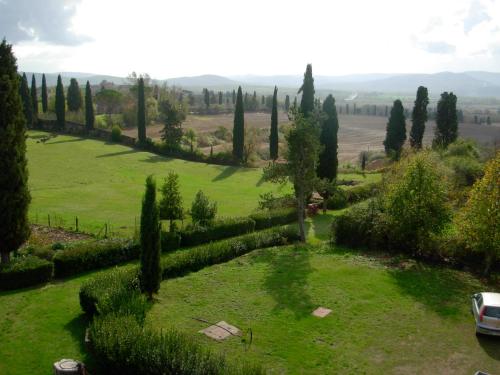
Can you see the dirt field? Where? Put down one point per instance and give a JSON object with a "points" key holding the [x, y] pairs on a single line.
{"points": [[356, 133]]}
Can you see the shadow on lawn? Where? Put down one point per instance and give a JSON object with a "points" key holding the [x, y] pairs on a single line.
{"points": [[320, 225], [76, 327], [286, 280], [226, 173], [126, 152], [65, 141]]}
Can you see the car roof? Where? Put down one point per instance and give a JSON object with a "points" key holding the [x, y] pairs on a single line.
{"points": [[491, 299]]}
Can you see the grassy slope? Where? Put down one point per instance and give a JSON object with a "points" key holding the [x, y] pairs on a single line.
{"points": [[384, 320]]}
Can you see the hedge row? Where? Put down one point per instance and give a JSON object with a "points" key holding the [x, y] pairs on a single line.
{"points": [[268, 219], [23, 272], [344, 198]]}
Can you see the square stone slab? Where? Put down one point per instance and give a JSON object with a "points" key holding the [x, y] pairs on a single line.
{"points": [[221, 331], [321, 312]]}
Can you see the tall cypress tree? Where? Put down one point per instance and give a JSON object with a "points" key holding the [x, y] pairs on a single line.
{"points": [[396, 130], [34, 99], [328, 160], [89, 108], [26, 98], [233, 98], [74, 96], [60, 104], [419, 117], [446, 130], [150, 269], [287, 103], [45, 96], [141, 112], [239, 127], [307, 89], [273, 138], [14, 193]]}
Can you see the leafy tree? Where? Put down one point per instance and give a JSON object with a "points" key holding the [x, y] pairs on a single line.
{"points": [[14, 193], [273, 138], [60, 104], [301, 163], [446, 130], [287, 103], [27, 103], [419, 117], [307, 90], [328, 160], [191, 138], [396, 131], [171, 202], [89, 108], [479, 221], [172, 115], [74, 98], [45, 96], [141, 112], [34, 98], [239, 128], [109, 101], [150, 269], [202, 211]]}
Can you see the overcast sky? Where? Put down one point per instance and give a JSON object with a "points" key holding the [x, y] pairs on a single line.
{"points": [[229, 37]]}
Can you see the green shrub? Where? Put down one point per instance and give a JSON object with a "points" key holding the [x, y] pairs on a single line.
{"points": [[170, 241], [23, 272], [91, 255], [466, 170], [116, 134], [220, 229], [45, 252], [342, 198], [202, 211], [268, 219], [337, 200]]}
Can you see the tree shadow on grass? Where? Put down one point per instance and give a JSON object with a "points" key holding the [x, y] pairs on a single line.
{"points": [[286, 279], [320, 226], [261, 181], [445, 291], [77, 327], [156, 159], [126, 152], [491, 345], [226, 172], [66, 141]]}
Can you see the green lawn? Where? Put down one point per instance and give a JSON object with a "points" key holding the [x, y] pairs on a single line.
{"points": [[385, 319], [103, 183]]}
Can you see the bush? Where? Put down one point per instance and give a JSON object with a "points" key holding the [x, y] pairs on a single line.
{"points": [[337, 200], [23, 272], [466, 170], [267, 201], [202, 211], [44, 252], [220, 229], [116, 134], [268, 219], [91, 255], [170, 241], [342, 198]]}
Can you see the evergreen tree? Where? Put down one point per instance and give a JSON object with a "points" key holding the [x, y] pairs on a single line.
{"points": [[263, 100], [239, 127], [171, 202], [26, 98], [273, 138], [202, 211], [141, 112], [287, 103], [34, 98], [446, 130], [74, 98], [396, 131], [14, 193], [307, 89], [220, 97], [45, 96], [328, 160], [233, 98], [419, 117], [150, 269], [89, 108], [295, 102], [60, 104], [206, 97], [347, 108]]}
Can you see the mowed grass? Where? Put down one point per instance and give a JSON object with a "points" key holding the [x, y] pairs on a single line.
{"points": [[385, 319]]}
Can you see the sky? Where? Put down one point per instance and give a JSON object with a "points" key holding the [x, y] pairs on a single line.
{"points": [[172, 38]]}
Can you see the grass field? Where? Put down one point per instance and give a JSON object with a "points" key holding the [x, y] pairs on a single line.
{"points": [[103, 183], [385, 320]]}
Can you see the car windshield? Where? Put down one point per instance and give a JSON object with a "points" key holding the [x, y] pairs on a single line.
{"points": [[493, 312]]}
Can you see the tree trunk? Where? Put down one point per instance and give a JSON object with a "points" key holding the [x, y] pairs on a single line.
{"points": [[5, 257], [300, 209]]}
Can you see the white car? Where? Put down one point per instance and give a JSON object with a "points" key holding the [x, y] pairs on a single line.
{"points": [[486, 310]]}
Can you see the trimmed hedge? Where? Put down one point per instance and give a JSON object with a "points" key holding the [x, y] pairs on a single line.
{"points": [[86, 256], [268, 219], [23, 272], [221, 228], [342, 198]]}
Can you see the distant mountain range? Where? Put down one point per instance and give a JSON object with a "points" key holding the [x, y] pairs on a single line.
{"points": [[472, 84]]}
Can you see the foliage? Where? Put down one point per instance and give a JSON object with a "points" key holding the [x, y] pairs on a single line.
{"points": [[74, 97], [45, 96], [150, 274], [202, 211], [141, 112], [190, 136], [419, 118], [90, 255], [219, 229], [239, 127], [34, 99], [307, 90], [446, 130], [14, 193], [109, 101], [479, 221], [396, 131], [170, 206], [274, 217], [116, 134], [273, 137], [328, 160], [172, 115], [60, 104], [89, 108], [27, 102], [23, 272], [268, 201]]}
